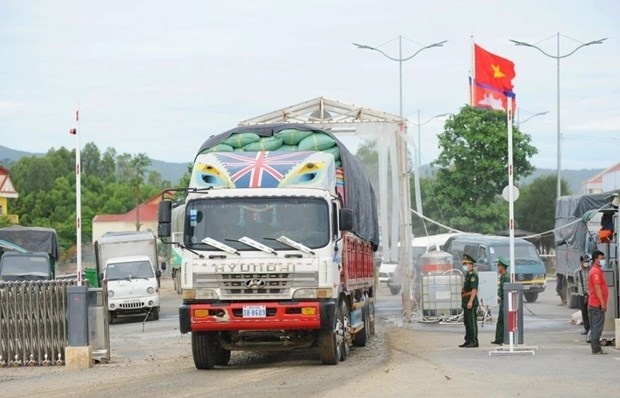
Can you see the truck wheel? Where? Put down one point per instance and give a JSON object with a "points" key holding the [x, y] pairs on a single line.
{"points": [[223, 356], [573, 301], [177, 281], [154, 314], [330, 343], [329, 349], [362, 337], [111, 317], [344, 331], [205, 350], [371, 329], [531, 297]]}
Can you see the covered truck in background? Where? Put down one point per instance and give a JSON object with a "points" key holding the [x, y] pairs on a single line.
{"points": [[128, 263], [35, 257], [579, 220], [278, 238]]}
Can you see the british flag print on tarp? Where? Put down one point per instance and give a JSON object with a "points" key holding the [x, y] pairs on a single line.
{"points": [[264, 169]]}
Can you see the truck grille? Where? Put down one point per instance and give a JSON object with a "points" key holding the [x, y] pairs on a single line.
{"points": [[261, 284], [128, 306]]}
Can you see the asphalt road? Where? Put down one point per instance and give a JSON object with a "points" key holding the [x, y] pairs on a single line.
{"points": [[152, 359]]}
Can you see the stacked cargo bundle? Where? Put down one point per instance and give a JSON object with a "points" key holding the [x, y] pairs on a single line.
{"points": [[292, 140]]}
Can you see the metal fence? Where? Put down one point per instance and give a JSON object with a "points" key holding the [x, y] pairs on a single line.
{"points": [[33, 322]]}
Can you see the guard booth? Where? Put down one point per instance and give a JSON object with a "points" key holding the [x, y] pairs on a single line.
{"points": [[98, 325]]}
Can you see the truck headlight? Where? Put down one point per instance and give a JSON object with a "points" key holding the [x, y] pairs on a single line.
{"points": [[206, 294], [304, 294], [110, 293], [312, 293], [150, 290]]}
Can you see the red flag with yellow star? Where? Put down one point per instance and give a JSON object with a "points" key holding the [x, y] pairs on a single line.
{"points": [[493, 70]]}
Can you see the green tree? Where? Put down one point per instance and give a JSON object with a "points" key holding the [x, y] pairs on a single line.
{"points": [[138, 163], [535, 207], [473, 169]]}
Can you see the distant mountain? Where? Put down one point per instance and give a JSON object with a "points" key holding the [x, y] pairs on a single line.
{"points": [[174, 171], [168, 171], [8, 155], [575, 178]]}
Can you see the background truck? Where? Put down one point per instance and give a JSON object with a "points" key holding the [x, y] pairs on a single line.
{"points": [[278, 237], [578, 221], [128, 263], [38, 255]]}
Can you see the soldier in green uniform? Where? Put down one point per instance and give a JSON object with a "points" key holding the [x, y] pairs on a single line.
{"points": [[469, 302], [502, 266]]}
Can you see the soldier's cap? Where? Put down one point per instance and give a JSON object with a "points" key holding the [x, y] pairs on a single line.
{"points": [[468, 259], [503, 261]]}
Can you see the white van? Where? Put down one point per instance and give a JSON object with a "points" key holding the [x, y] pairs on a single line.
{"points": [[386, 271], [132, 286]]}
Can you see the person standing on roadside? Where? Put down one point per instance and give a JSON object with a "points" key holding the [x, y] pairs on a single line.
{"points": [[582, 278], [469, 302], [597, 301], [502, 266]]}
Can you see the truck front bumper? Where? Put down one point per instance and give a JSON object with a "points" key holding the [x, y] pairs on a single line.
{"points": [[297, 315], [534, 287]]}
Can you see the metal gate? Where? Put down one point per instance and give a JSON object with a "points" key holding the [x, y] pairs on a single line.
{"points": [[33, 322]]}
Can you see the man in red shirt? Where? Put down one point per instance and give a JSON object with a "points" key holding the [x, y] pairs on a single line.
{"points": [[597, 302]]}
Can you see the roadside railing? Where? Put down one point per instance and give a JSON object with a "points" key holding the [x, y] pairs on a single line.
{"points": [[33, 322]]}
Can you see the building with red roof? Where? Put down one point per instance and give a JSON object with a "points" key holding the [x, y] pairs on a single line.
{"points": [[7, 191], [605, 181], [145, 216]]}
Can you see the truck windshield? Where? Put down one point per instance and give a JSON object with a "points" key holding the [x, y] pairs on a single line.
{"points": [[21, 265], [305, 220], [129, 270]]}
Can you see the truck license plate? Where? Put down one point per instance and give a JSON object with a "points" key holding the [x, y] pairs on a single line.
{"points": [[254, 311]]}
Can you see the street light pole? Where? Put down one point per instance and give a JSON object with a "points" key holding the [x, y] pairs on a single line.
{"points": [[558, 57], [418, 193], [400, 61], [519, 122]]}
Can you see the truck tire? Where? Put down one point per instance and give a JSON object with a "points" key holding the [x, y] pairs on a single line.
{"points": [[154, 316], [573, 301], [531, 297], [362, 336], [344, 330], [205, 350], [371, 329], [330, 342], [177, 281], [329, 349], [223, 356], [111, 317]]}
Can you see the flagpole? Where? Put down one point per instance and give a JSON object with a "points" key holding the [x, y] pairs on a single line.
{"points": [[511, 210], [78, 197], [472, 81]]}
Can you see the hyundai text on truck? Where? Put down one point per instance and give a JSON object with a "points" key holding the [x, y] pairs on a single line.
{"points": [[127, 264], [278, 243]]}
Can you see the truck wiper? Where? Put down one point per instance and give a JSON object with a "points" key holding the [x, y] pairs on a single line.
{"points": [[200, 255], [255, 244], [293, 243], [219, 245]]}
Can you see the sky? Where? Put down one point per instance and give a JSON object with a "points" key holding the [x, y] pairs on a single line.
{"points": [[160, 77]]}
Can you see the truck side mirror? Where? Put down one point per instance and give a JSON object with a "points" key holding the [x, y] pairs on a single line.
{"points": [[346, 219], [158, 274], [164, 217]]}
